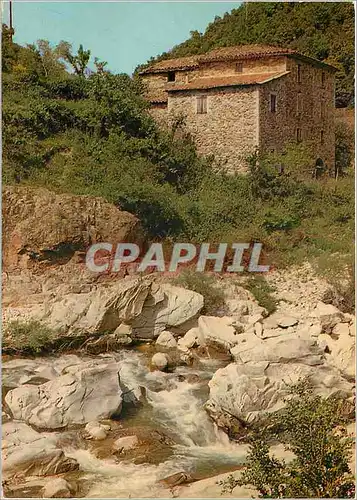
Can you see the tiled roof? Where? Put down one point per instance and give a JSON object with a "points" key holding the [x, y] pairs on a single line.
{"points": [[244, 52], [180, 63], [254, 51], [225, 81]]}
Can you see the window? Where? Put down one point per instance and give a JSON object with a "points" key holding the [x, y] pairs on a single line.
{"points": [[323, 78], [201, 103], [322, 138], [273, 103], [239, 67], [322, 110], [299, 104], [171, 76], [298, 135], [299, 73]]}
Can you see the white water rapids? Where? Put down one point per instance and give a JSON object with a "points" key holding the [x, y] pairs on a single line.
{"points": [[175, 406]]}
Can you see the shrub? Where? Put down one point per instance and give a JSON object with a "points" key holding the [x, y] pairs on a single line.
{"points": [[262, 292], [344, 148], [307, 426], [206, 286], [31, 336]]}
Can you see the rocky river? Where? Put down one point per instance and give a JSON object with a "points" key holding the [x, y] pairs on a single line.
{"points": [[142, 391], [163, 412]]}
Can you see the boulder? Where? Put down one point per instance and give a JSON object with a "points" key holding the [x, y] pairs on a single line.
{"points": [[218, 332], [167, 306], [97, 431], [28, 452], [84, 393], [40, 225], [101, 310], [192, 338], [247, 391], [159, 361], [166, 340], [328, 316], [283, 349], [125, 443], [123, 330], [57, 488], [340, 353]]}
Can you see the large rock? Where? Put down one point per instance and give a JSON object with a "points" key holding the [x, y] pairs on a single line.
{"points": [[218, 332], [40, 225], [283, 349], [192, 338], [101, 310], [249, 390], [84, 393], [57, 488], [166, 340], [27, 452], [167, 306], [328, 315], [125, 443], [340, 353], [159, 361]]}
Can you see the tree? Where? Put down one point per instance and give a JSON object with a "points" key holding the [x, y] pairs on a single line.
{"points": [[100, 65], [344, 148], [52, 58], [313, 429], [79, 62]]}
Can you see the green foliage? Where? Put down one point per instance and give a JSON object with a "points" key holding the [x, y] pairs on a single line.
{"points": [[93, 136], [30, 337], [79, 61], [262, 292], [344, 148], [323, 30], [205, 285], [312, 428]]}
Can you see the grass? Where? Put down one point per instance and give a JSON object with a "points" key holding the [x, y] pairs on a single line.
{"points": [[262, 292], [206, 286], [30, 336]]}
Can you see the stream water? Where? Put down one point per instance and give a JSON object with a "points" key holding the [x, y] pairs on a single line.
{"points": [[173, 405]]}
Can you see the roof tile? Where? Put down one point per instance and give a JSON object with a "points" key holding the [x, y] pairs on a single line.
{"points": [[180, 63], [226, 81], [244, 52]]}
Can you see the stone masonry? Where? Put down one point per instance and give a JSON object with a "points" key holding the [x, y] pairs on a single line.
{"points": [[235, 100]]}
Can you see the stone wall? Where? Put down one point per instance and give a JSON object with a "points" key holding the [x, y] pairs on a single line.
{"points": [[233, 126], [308, 106], [229, 129]]}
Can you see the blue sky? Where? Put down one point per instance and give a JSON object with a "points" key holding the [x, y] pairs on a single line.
{"points": [[123, 33]]}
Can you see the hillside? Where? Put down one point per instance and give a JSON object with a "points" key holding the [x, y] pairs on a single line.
{"points": [[321, 30], [89, 133]]}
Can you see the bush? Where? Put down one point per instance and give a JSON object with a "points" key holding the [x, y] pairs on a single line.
{"points": [[31, 336], [344, 148], [307, 426], [262, 292], [206, 286]]}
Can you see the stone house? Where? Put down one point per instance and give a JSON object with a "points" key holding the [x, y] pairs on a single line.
{"points": [[235, 100]]}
